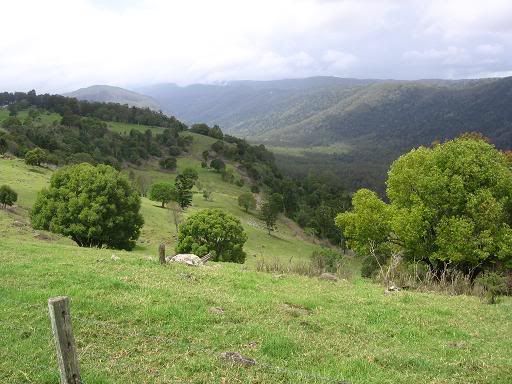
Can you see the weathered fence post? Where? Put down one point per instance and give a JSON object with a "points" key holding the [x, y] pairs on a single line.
{"points": [[161, 253], [64, 341]]}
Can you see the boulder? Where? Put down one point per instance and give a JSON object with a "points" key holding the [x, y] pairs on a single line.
{"points": [[328, 276], [185, 258]]}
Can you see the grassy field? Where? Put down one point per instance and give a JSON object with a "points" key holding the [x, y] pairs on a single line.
{"points": [[138, 322], [334, 149]]}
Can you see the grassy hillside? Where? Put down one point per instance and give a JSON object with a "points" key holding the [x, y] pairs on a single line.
{"points": [[286, 243], [136, 321]]}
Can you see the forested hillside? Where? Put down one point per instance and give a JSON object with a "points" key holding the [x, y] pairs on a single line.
{"points": [[356, 126]]}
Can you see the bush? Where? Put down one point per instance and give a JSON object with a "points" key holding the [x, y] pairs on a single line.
{"points": [[255, 189], [7, 196], [327, 260], [94, 205], [168, 163], [213, 230], [36, 156], [218, 165], [492, 285]]}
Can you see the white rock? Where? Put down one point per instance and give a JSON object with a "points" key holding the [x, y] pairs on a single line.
{"points": [[185, 258]]}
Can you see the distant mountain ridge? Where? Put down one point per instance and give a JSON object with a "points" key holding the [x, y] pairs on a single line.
{"points": [[110, 94]]}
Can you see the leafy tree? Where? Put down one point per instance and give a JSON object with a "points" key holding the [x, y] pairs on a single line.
{"points": [[7, 196], [168, 163], [269, 216], [201, 128], [213, 230], [164, 192], [94, 205], [191, 174], [216, 132], [247, 201], [448, 204], [276, 202], [218, 165], [36, 156], [184, 186]]}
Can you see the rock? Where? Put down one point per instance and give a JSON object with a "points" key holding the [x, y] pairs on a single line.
{"points": [[115, 258], [185, 258], [328, 276], [18, 223], [391, 289], [216, 310], [42, 236], [237, 358]]}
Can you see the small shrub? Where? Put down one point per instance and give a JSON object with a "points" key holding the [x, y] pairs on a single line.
{"points": [[327, 260], [168, 163], [491, 285], [7, 196]]}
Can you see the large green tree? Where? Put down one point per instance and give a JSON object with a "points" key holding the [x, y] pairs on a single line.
{"points": [[448, 204], [184, 186], [213, 230], [94, 205]]}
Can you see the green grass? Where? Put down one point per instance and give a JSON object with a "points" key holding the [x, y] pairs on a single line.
{"points": [[334, 149], [45, 118], [138, 322], [287, 243]]}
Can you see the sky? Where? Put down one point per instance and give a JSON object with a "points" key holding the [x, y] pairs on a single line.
{"points": [[62, 45]]}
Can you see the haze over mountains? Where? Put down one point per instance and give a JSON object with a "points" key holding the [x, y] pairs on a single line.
{"points": [[356, 126], [108, 93]]}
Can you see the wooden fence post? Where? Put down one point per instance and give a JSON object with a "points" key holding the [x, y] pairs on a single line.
{"points": [[161, 253], [64, 341]]}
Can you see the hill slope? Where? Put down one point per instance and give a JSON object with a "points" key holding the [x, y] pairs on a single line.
{"points": [[110, 94], [357, 126]]}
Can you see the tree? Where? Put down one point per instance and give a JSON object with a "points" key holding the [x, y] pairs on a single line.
{"points": [[247, 201], [216, 132], [184, 186], [213, 230], [164, 192], [269, 216], [191, 174], [168, 163], [7, 196], [35, 157], [277, 203], [94, 205], [449, 204], [142, 183], [218, 165]]}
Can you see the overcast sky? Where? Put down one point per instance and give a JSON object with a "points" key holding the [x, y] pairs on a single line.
{"points": [[61, 45]]}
